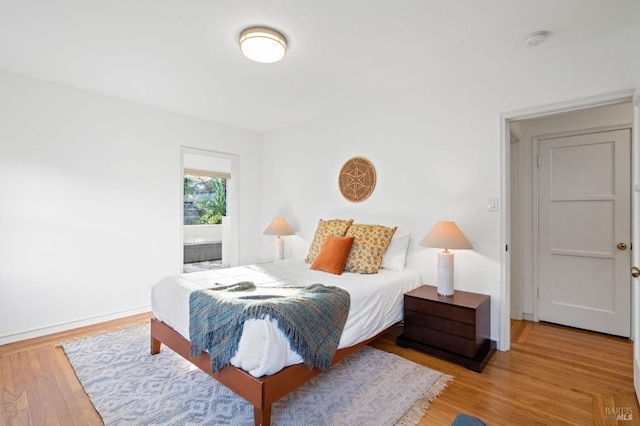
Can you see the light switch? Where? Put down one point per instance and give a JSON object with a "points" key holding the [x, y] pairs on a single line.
{"points": [[493, 205]]}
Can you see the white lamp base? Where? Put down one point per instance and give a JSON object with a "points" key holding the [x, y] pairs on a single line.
{"points": [[279, 248], [445, 273]]}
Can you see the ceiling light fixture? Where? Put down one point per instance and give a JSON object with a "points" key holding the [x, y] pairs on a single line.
{"points": [[263, 44], [535, 39]]}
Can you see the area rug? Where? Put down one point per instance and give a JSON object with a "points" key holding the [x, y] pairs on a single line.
{"points": [[128, 386]]}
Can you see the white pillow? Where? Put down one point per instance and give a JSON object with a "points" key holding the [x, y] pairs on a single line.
{"points": [[394, 257]]}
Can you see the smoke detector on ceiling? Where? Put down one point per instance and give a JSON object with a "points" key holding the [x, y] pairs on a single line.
{"points": [[537, 38]]}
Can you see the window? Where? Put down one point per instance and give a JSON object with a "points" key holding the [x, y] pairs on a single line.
{"points": [[205, 197]]}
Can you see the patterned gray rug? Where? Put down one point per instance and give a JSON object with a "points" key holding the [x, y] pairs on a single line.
{"points": [[128, 386]]}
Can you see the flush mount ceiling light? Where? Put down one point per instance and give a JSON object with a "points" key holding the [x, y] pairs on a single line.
{"points": [[263, 44], [534, 39]]}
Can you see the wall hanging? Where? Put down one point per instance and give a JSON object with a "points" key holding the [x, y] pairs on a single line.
{"points": [[357, 179]]}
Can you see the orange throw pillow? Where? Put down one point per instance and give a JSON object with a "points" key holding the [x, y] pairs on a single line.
{"points": [[333, 255]]}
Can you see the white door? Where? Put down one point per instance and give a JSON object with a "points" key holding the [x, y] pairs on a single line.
{"points": [[585, 231], [635, 254]]}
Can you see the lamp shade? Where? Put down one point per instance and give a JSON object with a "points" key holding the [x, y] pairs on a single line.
{"points": [[446, 235], [263, 44], [278, 226]]}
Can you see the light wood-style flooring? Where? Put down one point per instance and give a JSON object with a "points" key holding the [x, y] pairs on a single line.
{"points": [[552, 375]]}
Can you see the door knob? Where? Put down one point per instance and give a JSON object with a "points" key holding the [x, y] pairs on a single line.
{"points": [[622, 246], [635, 272]]}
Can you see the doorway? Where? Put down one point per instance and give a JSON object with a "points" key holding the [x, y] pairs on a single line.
{"points": [[520, 257], [208, 210], [204, 208]]}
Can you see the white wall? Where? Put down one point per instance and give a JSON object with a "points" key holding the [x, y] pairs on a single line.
{"points": [[90, 196], [593, 118], [515, 247], [437, 153]]}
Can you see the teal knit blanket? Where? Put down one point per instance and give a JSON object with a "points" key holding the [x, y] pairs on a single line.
{"points": [[311, 317]]}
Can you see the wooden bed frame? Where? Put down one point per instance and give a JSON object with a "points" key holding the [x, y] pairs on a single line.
{"points": [[261, 392]]}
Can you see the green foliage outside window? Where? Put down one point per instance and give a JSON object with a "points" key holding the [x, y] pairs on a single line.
{"points": [[205, 200]]}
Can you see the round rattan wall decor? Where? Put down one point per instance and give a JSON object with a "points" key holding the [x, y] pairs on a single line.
{"points": [[357, 179]]}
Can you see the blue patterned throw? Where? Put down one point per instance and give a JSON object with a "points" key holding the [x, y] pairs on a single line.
{"points": [[311, 317]]}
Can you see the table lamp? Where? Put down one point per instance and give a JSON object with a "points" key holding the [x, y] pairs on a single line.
{"points": [[445, 235], [279, 227]]}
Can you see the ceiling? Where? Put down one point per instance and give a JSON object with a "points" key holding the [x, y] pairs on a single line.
{"points": [[183, 55]]}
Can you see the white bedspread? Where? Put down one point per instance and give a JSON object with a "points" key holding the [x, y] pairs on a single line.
{"points": [[376, 304]]}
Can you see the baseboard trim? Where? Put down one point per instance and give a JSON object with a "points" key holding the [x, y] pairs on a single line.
{"points": [[56, 328]]}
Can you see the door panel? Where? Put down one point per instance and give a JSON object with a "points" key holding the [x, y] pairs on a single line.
{"points": [[572, 218], [581, 169], [584, 212], [584, 290]]}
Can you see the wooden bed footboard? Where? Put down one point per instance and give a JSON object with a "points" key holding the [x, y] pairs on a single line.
{"points": [[261, 392]]}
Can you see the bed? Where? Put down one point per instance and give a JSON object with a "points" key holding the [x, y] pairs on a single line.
{"points": [[265, 369]]}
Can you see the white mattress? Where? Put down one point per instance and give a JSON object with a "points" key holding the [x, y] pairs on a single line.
{"points": [[376, 304]]}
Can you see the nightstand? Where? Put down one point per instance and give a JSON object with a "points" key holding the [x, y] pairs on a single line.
{"points": [[455, 328]]}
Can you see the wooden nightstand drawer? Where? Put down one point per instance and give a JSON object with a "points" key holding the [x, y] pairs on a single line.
{"points": [[461, 329], [440, 310], [442, 340]]}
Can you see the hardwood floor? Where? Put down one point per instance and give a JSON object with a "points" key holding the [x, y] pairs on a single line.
{"points": [[552, 375], [39, 386]]}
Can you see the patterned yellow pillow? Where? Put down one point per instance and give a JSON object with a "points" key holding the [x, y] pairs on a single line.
{"points": [[369, 245], [326, 228]]}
